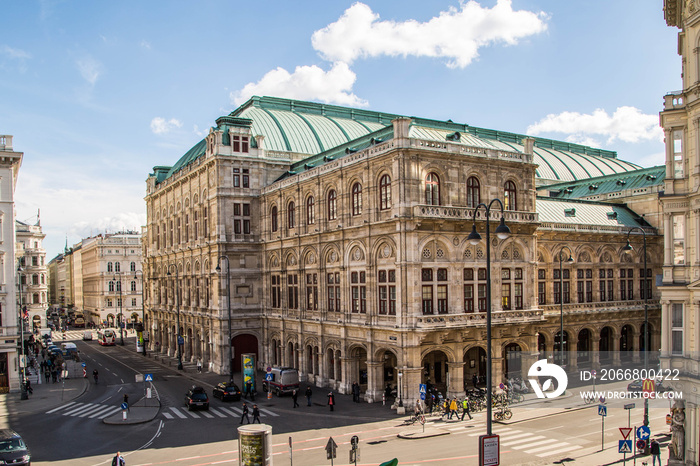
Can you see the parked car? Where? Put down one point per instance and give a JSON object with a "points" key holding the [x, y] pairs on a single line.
{"points": [[636, 386], [196, 397], [13, 450], [87, 335], [284, 380], [227, 391]]}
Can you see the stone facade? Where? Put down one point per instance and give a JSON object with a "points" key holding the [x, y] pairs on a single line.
{"points": [[34, 276]]}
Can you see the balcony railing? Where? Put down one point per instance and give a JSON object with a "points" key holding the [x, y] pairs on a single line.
{"points": [[478, 319], [467, 213]]}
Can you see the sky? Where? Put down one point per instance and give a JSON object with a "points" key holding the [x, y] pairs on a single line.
{"points": [[97, 93]]}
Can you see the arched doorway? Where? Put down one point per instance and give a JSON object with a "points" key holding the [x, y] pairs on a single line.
{"points": [[513, 361], [475, 364], [583, 347], [626, 342], [605, 346], [389, 372], [110, 320], [435, 370], [359, 357], [243, 344], [541, 346]]}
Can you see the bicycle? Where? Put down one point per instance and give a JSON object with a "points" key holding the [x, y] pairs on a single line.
{"points": [[504, 414], [416, 417], [588, 399]]}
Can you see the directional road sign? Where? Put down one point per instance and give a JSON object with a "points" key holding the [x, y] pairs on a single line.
{"points": [[602, 410], [330, 448], [624, 446], [125, 406], [629, 406], [643, 432], [83, 364], [268, 377], [148, 377], [625, 431]]}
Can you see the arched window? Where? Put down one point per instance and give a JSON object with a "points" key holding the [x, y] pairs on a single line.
{"points": [[110, 286], [109, 267], [290, 215], [473, 194], [356, 199], [332, 205], [510, 198], [119, 285], [384, 192], [432, 189], [273, 218], [132, 266], [117, 267], [310, 211], [133, 285]]}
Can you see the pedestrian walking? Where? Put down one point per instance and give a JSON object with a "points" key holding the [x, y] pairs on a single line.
{"points": [[28, 386], [245, 414], [655, 450], [475, 380], [199, 366], [308, 396], [118, 460], [465, 409], [446, 408], [47, 375], [453, 408], [331, 400], [294, 399], [126, 400], [256, 414], [356, 393]]}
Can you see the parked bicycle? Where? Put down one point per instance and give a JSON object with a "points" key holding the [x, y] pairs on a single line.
{"points": [[503, 414]]}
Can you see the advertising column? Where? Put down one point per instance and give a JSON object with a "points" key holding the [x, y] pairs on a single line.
{"points": [[248, 364], [255, 445]]}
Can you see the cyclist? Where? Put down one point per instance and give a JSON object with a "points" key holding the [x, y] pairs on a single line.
{"points": [[95, 375]]}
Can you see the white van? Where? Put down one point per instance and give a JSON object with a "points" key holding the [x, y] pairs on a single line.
{"points": [[284, 380]]}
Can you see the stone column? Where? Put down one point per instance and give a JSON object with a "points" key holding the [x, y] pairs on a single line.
{"points": [[455, 388], [410, 382], [345, 384], [668, 242], [665, 328], [374, 382], [497, 361]]}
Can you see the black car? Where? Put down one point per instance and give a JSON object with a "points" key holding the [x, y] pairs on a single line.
{"points": [[13, 449], [227, 391], [196, 397]]}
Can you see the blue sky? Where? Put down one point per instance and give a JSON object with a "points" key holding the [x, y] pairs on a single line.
{"points": [[98, 93]]}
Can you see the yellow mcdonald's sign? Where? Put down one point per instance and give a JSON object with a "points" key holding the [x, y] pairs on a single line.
{"points": [[648, 385]]}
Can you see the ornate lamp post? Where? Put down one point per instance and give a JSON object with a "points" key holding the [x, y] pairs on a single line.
{"points": [[177, 306], [143, 309], [561, 300], [228, 304], [502, 231], [121, 316], [20, 322], [627, 249]]}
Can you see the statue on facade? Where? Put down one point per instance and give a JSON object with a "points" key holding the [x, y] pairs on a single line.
{"points": [[677, 431]]}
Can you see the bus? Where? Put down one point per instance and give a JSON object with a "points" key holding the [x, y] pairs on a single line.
{"points": [[79, 321], [106, 337]]}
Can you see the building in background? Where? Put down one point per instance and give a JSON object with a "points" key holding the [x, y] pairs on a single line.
{"points": [[10, 162], [31, 256], [680, 295], [344, 234]]}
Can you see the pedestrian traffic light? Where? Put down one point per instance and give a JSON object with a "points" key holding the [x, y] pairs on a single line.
{"points": [[353, 441]]}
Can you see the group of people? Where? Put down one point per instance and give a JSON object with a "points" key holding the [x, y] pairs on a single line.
{"points": [[256, 414], [295, 395]]}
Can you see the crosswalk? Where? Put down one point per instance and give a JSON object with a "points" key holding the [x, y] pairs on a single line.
{"points": [[213, 412], [85, 410], [531, 443]]}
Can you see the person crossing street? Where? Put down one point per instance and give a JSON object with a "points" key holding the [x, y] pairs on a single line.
{"points": [[465, 409], [245, 414], [256, 414]]}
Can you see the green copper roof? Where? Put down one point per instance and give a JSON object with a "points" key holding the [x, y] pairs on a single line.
{"points": [[638, 179], [318, 130], [586, 213]]}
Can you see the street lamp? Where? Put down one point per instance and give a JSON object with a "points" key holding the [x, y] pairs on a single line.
{"points": [[22, 375], [627, 249], [228, 304], [121, 316], [561, 301], [143, 310], [502, 231], [177, 306]]}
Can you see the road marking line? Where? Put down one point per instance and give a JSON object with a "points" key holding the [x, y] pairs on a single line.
{"points": [[497, 433], [541, 449], [88, 411], [75, 408], [178, 413], [562, 450], [524, 434], [228, 411], [104, 409], [515, 442], [269, 413], [194, 415], [168, 416], [212, 410], [206, 414], [60, 407], [533, 444], [109, 413]]}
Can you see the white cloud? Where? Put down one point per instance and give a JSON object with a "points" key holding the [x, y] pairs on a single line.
{"points": [[627, 124], [198, 131], [162, 126], [455, 34], [90, 69], [18, 54], [306, 83], [145, 44]]}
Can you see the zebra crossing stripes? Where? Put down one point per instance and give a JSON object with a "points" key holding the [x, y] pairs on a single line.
{"points": [[85, 410], [212, 413], [528, 442]]}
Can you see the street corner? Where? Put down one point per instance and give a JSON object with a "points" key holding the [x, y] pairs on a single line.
{"points": [[134, 415], [420, 433]]}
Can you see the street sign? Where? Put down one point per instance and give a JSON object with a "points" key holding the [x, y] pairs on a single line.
{"points": [[422, 388], [148, 377], [593, 373], [269, 369], [501, 386], [354, 441], [330, 449], [602, 399], [624, 446], [643, 432], [629, 406], [180, 340], [489, 451], [602, 410], [125, 406], [268, 377], [625, 431], [83, 364], [641, 444]]}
